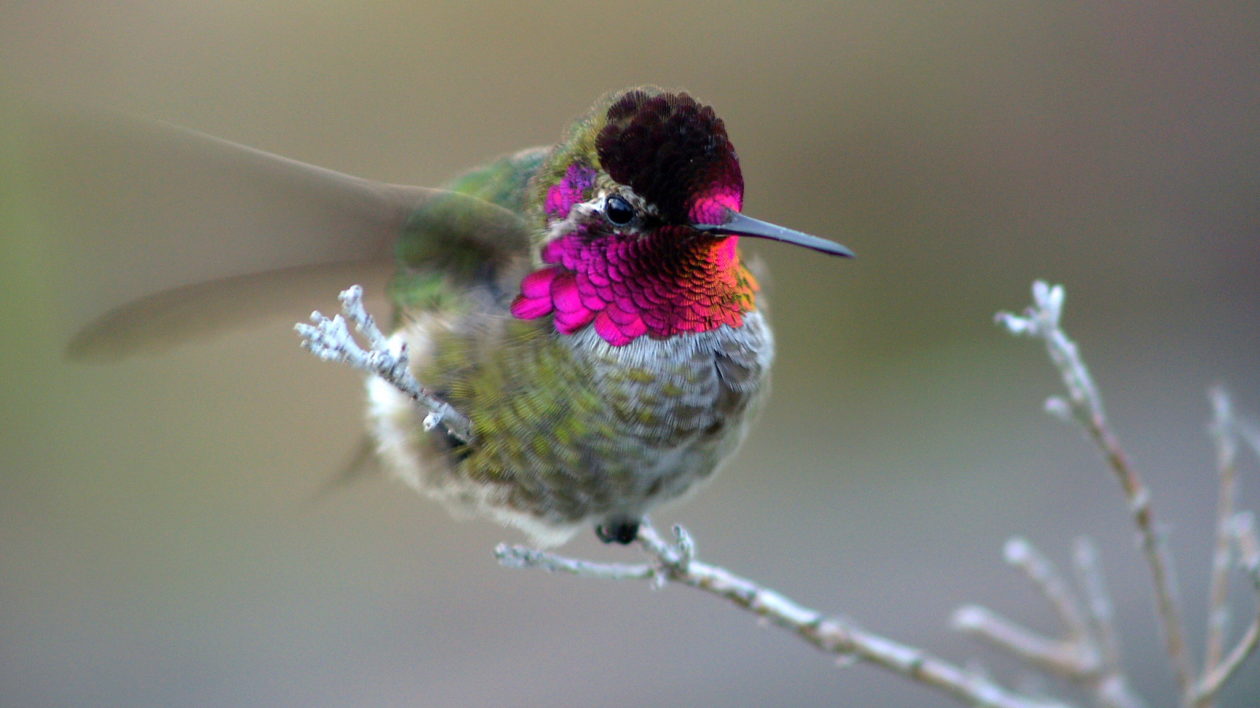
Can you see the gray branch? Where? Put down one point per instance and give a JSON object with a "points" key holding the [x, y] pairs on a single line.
{"points": [[1224, 437], [1111, 686], [330, 340], [675, 562], [1242, 532], [1084, 404], [1087, 655]]}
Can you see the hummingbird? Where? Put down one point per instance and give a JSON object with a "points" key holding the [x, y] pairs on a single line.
{"points": [[585, 305]]}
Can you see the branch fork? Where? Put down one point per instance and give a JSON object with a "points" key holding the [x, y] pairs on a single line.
{"points": [[676, 562]]}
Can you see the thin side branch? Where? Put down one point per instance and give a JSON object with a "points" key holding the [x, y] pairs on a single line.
{"points": [[1073, 657], [522, 557], [1243, 533], [1084, 404], [1088, 655], [1099, 614], [675, 562], [1224, 438], [1111, 685], [330, 340], [1055, 656], [1038, 568]]}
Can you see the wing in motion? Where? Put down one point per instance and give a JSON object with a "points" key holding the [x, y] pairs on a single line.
{"points": [[196, 235]]}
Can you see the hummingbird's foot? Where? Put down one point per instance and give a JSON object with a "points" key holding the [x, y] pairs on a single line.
{"points": [[622, 531]]}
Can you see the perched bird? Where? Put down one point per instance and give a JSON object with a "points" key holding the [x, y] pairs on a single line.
{"points": [[584, 305]]}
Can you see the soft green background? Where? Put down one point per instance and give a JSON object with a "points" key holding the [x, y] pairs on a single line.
{"points": [[159, 545]]}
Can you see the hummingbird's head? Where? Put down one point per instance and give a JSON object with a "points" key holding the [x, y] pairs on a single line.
{"points": [[638, 215]]}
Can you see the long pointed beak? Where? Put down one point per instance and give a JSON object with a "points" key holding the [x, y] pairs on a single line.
{"points": [[739, 225]]}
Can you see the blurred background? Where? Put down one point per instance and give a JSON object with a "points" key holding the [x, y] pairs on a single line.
{"points": [[163, 541]]}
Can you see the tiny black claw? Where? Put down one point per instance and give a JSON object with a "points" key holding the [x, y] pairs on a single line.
{"points": [[621, 531]]}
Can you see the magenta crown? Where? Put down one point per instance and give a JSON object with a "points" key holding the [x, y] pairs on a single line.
{"points": [[673, 152]]}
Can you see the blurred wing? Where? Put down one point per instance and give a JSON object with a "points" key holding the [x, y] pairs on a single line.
{"points": [[171, 317], [198, 234]]}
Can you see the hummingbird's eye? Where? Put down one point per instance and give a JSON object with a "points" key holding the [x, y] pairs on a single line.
{"points": [[618, 211]]}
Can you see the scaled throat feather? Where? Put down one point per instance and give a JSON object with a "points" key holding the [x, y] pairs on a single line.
{"points": [[666, 281]]}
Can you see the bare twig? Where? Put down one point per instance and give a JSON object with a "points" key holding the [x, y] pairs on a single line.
{"points": [[1085, 405], [521, 557], [1072, 657], [330, 340], [1098, 604], [1034, 564], [675, 562], [1056, 656], [1243, 534], [1110, 685], [1088, 655], [1224, 436]]}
